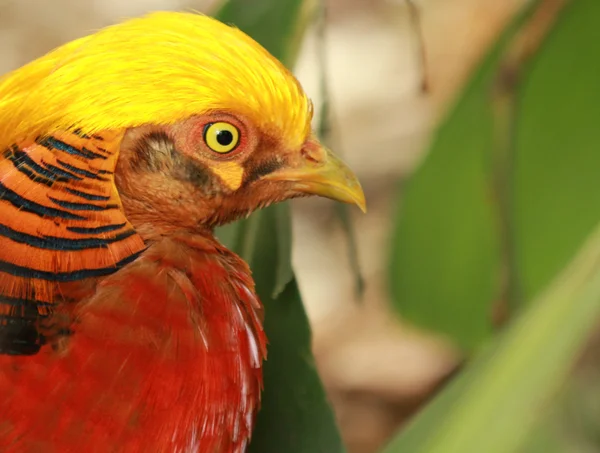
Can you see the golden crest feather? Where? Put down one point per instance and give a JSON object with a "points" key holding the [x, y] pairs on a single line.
{"points": [[62, 119], [159, 69]]}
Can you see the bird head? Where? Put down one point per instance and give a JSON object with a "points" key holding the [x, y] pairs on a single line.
{"points": [[213, 126]]}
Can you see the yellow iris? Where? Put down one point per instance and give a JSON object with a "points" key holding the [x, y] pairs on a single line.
{"points": [[221, 137]]}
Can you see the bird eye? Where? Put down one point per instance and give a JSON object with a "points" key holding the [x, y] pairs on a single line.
{"points": [[221, 137]]}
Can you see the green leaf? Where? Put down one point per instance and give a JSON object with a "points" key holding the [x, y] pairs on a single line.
{"points": [[572, 423], [284, 272], [295, 416], [493, 405], [557, 195], [547, 438], [229, 235], [277, 25], [445, 264]]}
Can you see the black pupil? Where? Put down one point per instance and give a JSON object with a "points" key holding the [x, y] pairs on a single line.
{"points": [[224, 138]]}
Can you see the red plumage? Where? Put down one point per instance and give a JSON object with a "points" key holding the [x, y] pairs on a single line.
{"points": [[167, 358]]}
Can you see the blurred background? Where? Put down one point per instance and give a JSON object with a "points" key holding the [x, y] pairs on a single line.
{"points": [[377, 369]]}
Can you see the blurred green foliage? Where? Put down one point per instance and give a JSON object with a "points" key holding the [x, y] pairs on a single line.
{"points": [[557, 152], [493, 404], [461, 235], [445, 247], [501, 204]]}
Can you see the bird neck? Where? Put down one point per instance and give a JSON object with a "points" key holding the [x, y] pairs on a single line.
{"points": [[153, 228]]}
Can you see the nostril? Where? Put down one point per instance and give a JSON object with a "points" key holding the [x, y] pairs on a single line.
{"points": [[308, 156], [311, 153]]}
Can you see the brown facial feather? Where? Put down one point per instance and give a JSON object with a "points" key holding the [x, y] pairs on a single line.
{"points": [[168, 178]]}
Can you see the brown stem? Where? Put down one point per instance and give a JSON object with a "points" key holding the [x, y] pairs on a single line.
{"points": [[522, 48], [416, 23]]}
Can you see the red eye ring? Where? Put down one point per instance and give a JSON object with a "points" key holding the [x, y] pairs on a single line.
{"points": [[198, 130]]}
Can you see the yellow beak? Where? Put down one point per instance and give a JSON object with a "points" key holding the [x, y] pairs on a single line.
{"points": [[317, 171]]}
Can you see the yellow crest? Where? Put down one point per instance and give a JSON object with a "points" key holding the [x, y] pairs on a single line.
{"points": [[157, 69]]}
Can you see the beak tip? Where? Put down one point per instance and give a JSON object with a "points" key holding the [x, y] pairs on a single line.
{"points": [[361, 202]]}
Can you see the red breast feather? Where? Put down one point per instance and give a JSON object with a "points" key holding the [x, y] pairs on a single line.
{"points": [[166, 357]]}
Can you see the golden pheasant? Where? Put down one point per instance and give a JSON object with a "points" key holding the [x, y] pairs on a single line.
{"points": [[125, 326]]}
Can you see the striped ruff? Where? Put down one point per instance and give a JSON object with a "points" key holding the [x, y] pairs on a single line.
{"points": [[61, 221]]}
